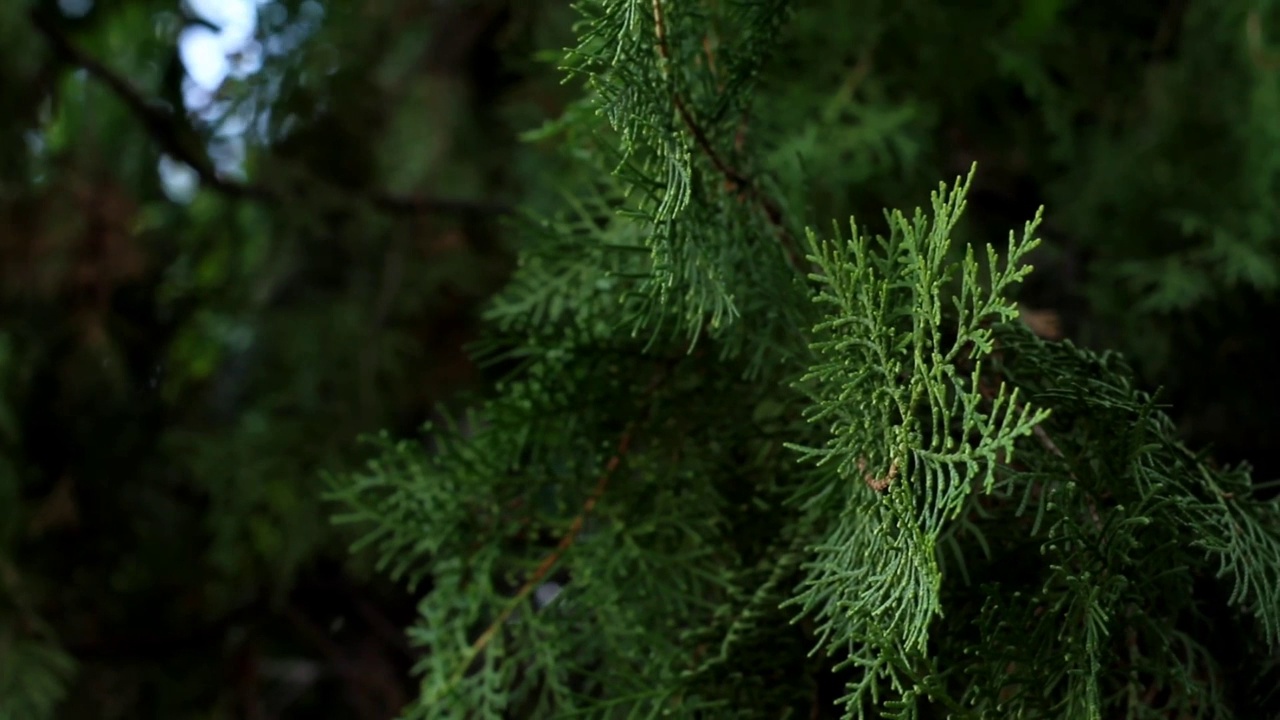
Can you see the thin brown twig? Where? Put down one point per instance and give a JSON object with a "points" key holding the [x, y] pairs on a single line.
{"points": [[535, 578], [162, 125], [552, 558], [736, 180]]}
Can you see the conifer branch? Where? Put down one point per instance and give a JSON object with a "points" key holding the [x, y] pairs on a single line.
{"points": [[161, 123], [548, 562], [910, 389], [1042, 436], [735, 180], [622, 449]]}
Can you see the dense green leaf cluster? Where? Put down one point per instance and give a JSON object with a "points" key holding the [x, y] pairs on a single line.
{"points": [[730, 475]]}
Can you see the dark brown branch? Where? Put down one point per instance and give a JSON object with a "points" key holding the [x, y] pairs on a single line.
{"points": [[550, 561], [162, 125], [736, 180]]}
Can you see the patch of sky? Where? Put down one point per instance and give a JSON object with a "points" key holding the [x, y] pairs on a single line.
{"points": [[232, 42]]}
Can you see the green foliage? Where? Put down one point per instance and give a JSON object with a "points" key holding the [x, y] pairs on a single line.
{"points": [[722, 466], [722, 478], [906, 422], [674, 82]]}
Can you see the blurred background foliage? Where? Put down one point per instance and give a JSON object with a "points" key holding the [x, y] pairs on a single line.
{"points": [[212, 283], [208, 293]]}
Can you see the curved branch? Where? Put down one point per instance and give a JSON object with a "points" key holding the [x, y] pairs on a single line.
{"points": [[162, 125], [622, 449], [548, 562], [735, 179]]}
